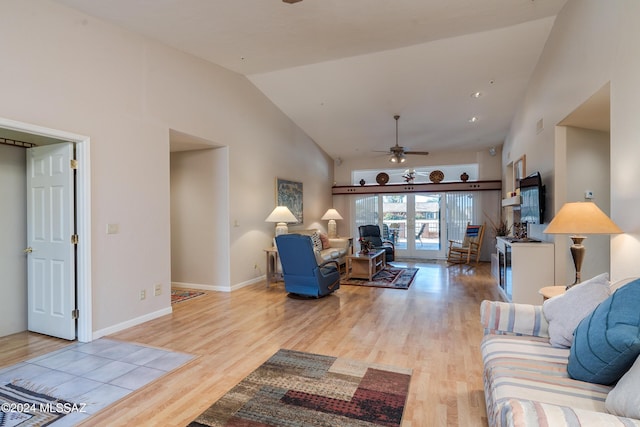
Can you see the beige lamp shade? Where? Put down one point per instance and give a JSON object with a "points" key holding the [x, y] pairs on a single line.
{"points": [[332, 215], [578, 219], [581, 218], [281, 215]]}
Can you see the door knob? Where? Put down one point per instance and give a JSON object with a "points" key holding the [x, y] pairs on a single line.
{"points": [[28, 250]]}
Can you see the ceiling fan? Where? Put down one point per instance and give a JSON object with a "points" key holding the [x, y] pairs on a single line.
{"points": [[398, 153]]}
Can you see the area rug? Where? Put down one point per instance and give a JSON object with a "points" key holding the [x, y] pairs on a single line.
{"points": [[293, 388], [389, 277], [179, 295], [23, 407]]}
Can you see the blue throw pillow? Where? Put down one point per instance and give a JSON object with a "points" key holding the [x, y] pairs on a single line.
{"points": [[607, 342]]}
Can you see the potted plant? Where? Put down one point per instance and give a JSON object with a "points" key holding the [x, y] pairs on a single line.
{"points": [[365, 245], [500, 228]]}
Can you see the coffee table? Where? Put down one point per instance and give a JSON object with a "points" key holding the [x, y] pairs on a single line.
{"points": [[364, 266]]}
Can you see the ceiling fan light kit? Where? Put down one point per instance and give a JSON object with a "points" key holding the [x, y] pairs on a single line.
{"points": [[398, 158], [398, 153]]}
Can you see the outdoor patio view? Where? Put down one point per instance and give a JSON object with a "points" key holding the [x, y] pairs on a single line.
{"points": [[419, 225]]}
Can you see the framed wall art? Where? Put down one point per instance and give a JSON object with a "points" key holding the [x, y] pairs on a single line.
{"points": [[289, 194]]}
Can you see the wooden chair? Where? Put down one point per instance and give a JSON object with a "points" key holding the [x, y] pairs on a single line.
{"points": [[469, 249]]}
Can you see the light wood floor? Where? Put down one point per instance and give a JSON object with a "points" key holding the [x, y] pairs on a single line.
{"points": [[432, 328]]}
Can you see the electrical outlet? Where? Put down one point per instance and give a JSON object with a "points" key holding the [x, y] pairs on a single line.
{"points": [[143, 294], [157, 290]]}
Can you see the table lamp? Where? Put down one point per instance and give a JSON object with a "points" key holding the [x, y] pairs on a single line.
{"points": [[281, 215], [332, 215], [577, 219]]}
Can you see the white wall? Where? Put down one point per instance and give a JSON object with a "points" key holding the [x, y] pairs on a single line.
{"points": [[587, 168], [13, 239], [72, 72], [593, 42]]}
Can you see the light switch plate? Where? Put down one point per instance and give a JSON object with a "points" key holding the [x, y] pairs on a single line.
{"points": [[112, 228]]}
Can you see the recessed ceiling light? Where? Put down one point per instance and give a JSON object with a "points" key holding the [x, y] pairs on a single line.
{"points": [[476, 94], [473, 119]]}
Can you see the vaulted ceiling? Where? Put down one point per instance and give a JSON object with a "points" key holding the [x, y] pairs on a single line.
{"points": [[341, 69]]}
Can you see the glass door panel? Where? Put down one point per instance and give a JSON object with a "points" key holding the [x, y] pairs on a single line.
{"points": [[427, 237], [394, 219]]}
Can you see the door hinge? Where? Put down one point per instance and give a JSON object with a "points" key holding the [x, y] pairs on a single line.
{"points": [[75, 314], [74, 164], [74, 239]]}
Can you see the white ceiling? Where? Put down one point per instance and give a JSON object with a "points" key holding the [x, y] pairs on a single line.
{"points": [[341, 69]]}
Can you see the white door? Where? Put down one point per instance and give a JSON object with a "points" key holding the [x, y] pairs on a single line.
{"points": [[51, 252]]}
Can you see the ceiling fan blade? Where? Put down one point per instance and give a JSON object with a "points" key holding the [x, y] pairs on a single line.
{"points": [[422, 153]]}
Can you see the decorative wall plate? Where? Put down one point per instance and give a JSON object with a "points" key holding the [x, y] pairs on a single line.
{"points": [[382, 178], [436, 176]]}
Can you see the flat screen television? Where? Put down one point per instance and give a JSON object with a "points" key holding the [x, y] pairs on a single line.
{"points": [[532, 199]]}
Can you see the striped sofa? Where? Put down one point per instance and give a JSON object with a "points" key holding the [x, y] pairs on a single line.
{"points": [[525, 378]]}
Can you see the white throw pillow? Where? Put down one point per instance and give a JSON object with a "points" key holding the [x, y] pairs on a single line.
{"points": [[565, 311], [317, 242], [624, 399]]}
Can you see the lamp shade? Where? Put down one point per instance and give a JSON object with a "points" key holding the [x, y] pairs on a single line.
{"points": [[331, 214], [281, 214], [581, 218]]}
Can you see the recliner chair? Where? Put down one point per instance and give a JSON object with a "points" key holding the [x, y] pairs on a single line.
{"points": [[372, 234], [301, 271]]}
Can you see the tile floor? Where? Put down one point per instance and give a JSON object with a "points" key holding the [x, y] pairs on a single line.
{"points": [[96, 373]]}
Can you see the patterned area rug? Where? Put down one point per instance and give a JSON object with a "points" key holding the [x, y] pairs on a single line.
{"points": [[390, 277], [24, 407], [179, 295], [302, 389]]}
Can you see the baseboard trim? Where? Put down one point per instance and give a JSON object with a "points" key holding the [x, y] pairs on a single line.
{"points": [[185, 285], [130, 323], [248, 283]]}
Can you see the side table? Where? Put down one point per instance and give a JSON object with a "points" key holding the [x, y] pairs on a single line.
{"points": [[552, 291], [272, 266]]}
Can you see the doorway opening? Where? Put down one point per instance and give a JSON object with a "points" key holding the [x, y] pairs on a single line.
{"points": [[42, 136], [199, 193]]}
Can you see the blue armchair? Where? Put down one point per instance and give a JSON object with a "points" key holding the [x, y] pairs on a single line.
{"points": [[302, 273]]}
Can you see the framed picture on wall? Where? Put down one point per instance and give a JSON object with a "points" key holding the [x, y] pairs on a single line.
{"points": [[289, 194]]}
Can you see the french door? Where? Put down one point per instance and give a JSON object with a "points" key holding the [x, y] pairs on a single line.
{"points": [[411, 221], [419, 224]]}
